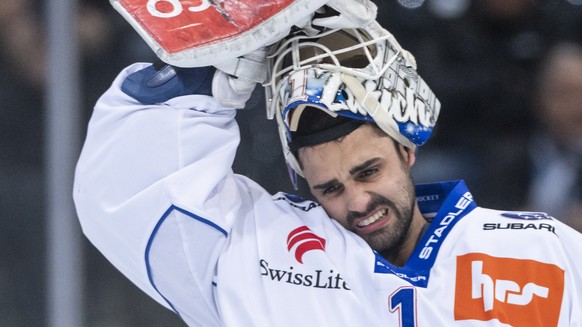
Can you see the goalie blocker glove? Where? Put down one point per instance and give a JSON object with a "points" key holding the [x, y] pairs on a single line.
{"points": [[231, 84]]}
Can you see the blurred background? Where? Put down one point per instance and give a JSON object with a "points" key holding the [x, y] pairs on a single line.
{"points": [[508, 74]]}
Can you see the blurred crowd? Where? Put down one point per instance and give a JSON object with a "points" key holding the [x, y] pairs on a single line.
{"points": [[508, 74]]}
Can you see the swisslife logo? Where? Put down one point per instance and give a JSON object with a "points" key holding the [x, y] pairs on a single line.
{"points": [[514, 291], [300, 241]]}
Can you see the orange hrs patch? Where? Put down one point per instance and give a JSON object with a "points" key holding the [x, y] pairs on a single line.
{"points": [[513, 291]]}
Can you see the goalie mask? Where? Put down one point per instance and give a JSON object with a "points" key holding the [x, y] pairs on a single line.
{"points": [[353, 76]]}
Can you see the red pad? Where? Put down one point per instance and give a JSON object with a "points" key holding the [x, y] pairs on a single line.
{"points": [[191, 33]]}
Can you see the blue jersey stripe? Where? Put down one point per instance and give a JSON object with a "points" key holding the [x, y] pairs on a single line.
{"points": [[153, 235], [452, 201]]}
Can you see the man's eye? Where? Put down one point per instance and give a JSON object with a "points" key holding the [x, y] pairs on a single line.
{"points": [[332, 189], [368, 172]]}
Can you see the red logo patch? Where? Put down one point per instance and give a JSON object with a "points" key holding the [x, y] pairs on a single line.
{"points": [[177, 25], [304, 240]]}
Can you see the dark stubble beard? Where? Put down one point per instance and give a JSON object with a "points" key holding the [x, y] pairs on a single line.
{"points": [[389, 240]]}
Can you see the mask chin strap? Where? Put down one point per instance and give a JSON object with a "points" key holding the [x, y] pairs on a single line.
{"points": [[292, 164], [293, 175], [383, 118]]}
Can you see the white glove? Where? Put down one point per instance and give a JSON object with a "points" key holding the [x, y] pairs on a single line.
{"points": [[234, 81], [352, 14]]}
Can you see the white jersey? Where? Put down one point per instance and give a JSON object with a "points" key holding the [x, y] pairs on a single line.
{"points": [[155, 193]]}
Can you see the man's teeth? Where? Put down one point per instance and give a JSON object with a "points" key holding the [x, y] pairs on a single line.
{"points": [[372, 218]]}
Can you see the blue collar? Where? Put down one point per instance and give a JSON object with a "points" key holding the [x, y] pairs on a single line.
{"points": [[448, 203]]}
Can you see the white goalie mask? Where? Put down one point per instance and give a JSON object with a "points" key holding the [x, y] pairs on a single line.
{"points": [[362, 74]]}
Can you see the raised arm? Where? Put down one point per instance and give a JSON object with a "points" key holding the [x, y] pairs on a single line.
{"points": [[154, 189]]}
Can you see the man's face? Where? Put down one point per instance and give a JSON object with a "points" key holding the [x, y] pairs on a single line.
{"points": [[363, 181], [561, 99]]}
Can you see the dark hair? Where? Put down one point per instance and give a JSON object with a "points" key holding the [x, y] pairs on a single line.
{"points": [[318, 127]]}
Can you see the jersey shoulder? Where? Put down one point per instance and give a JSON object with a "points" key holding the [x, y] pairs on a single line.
{"points": [[295, 202], [511, 234], [509, 227], [491, 219]]}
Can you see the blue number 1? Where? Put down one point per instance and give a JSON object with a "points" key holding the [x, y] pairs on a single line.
{"points": [[403, 300]]}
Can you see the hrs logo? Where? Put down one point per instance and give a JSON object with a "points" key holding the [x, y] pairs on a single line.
{"points": [[508, 290]]}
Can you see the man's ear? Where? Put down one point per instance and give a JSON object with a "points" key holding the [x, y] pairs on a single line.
{"points": [[409, 155]]}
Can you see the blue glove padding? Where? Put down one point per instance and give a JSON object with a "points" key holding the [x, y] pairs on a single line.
{"points": [[155, 84]]}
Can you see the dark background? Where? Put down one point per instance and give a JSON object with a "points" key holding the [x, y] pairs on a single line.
{"points": [[481, 58]]}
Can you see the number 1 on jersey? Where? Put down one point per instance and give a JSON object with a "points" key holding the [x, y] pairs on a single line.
{"points": [[403, 301]]}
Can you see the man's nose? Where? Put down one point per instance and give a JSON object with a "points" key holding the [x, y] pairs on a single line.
{"points": [[357, 198]]}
